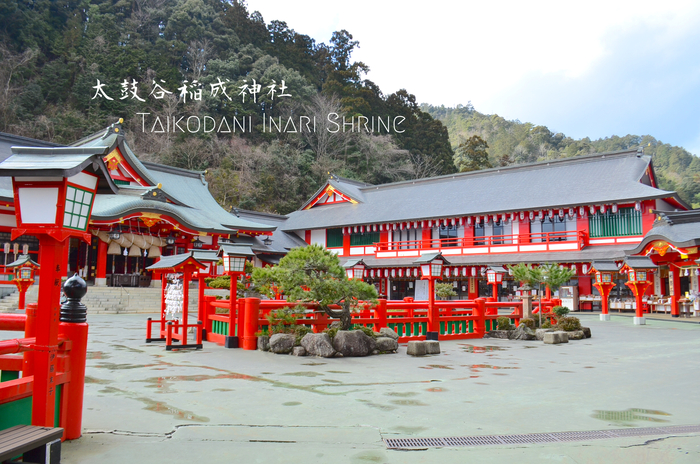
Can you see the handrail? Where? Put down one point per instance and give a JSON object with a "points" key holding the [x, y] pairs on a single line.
{"points": [[491, 240]]}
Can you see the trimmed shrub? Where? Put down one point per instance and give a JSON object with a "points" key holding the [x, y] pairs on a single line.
{"points": [[299, 332], [504, 323], [569, 323], [561, 311], [369, 332], [528, 321]]}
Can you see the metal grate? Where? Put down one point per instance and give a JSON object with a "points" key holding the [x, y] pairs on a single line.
{"points": [[490, 440]]}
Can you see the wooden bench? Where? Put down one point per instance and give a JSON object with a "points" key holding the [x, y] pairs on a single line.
{"points": [[37, 444]]}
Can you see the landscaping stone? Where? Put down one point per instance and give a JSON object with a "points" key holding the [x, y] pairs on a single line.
{"points": [[586, 332], [555, 338], [387, 344], [432, 347], [539, 333], [416, 348], [353, 343], [264, 343], [318, 344], [523, 332], [576, 335], [298, 351], [388, 332], [282, 343], [497, 334]]}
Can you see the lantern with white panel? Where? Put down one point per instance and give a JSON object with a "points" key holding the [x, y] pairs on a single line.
{"points": [[355, 269], [24, 269], [638, 269], [604, 282], [54, 190], [431, 267], [494, 277]]}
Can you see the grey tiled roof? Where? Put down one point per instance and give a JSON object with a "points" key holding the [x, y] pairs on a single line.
{"points": [[169, 262], [680, 229], [585, 180]]}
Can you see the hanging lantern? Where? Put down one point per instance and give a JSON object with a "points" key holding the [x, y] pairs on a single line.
{"points": [[522, 215], [540, 215], [581, 211], [446, 272], [400, 272], [464, 272], [453, 222], [531, 215], [393, 273], [591, 210], [561, 213], [602, 209], [584, 269], [473, 272], [550, 213], [637, 206], [614, 208], [510, 271]]}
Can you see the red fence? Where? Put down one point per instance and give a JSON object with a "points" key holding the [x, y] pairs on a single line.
{"points": [[461, 319], [17, 373]]}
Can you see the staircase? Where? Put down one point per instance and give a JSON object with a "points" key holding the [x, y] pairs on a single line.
{"points": [[114, 300]]}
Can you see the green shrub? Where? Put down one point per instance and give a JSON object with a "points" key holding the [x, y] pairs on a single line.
{"points": [[444, 290], [284, 320], [546, 324], [331, 332], [528, 321], [504, 323], [569, 323], [369, 332], [299, 332], [561, 311]]}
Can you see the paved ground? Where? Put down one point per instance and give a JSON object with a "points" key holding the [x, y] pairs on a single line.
{"points": [[146, 405]]}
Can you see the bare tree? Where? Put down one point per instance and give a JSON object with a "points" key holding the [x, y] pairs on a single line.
{"points": [[11, 62], [326, 137]]}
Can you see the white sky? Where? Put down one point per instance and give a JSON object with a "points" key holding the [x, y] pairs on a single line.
{"points": [[586, 68]]}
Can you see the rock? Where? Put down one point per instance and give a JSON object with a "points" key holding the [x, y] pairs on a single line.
{"points": [[432, 347], [375, 352], [353, 343], [264, 343], [298, 351], [523, 332], [576, 335], [282, 343], [388, 332], [335, 325], [497, 334], [554, 338], [387, 344], [318, 344], [586, 332], [539, 333], [416, 348]]}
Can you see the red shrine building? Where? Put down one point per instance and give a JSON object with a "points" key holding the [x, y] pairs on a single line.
{"points": [[157, 210], [570, 211]]}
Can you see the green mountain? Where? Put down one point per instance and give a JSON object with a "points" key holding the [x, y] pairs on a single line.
{"points": [[513, 142]]}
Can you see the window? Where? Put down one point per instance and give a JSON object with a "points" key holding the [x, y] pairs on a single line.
{"points": [[497, 230], [448, 236], [364, 239], [556, 224], [479, 231], [77, 210], [334, 238], [627, 221], [408, 235]]}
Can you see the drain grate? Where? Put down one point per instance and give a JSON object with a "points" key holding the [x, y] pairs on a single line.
{"points": [[493, 440]]}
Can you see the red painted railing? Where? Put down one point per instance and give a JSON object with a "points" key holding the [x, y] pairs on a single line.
{"points": [[458, 319], [513, 243]]}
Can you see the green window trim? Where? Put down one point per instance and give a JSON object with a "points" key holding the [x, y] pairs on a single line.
{"points": [[626, 222], [334, 238], [365, 239]]}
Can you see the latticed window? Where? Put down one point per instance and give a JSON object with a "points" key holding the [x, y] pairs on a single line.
{"points": [[627, 221], [365, 239], [334, 238]]}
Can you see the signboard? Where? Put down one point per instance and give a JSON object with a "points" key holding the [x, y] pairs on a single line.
{"points": [[421, 290]]}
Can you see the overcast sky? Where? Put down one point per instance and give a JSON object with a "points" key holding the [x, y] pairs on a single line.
{"points": [[587, 69]]}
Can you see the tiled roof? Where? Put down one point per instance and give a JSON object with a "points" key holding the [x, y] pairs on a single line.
{"points": [[592, 179]]}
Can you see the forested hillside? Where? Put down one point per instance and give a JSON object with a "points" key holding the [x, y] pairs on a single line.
{"points": [[54, 53], [513, 142], [161, 62]]}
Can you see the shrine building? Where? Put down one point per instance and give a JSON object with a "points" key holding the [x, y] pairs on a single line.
{"points": [[157, 210], [569, 211]]}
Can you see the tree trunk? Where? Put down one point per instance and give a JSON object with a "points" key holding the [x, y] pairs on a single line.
{"points": [[343, 314]]}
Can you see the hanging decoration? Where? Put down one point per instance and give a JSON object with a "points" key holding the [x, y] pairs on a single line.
{"points": [[173, 296]]}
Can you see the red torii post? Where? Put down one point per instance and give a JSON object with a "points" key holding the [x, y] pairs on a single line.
{"points": [[185, 264], [603, 271]]}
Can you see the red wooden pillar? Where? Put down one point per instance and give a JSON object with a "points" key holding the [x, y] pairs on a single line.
{"points": [[433, 312], [252, 313], [346, 245], [674, 290], [426, 237], [380, 315], [101, 268], [73, 391], [524, 231], [200, 295], [187, 274], [29, 332], [479, 313], [52, 254]]}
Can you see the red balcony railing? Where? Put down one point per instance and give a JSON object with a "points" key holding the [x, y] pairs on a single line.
{"points": [[513, 243]]}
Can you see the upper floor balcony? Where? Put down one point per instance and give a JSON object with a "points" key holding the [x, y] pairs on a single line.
{"points": [[513, 243]]}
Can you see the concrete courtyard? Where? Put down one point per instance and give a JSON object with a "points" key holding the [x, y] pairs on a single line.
{"points": [[146, 405]]}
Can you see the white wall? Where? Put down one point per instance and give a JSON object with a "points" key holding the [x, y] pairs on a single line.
{"points": [[318, 236]]}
